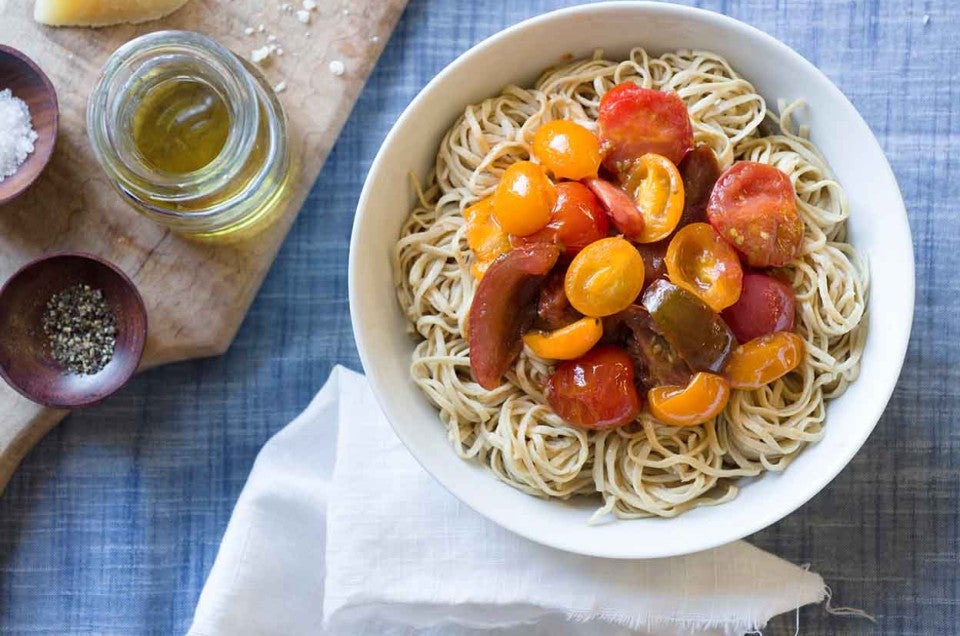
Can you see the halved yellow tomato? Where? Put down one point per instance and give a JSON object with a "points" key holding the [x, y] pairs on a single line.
{"points": [[524, 199], [566, 343], [567, 149], [764, 359], [484, 236], [700, 401], [655, 184], [605, 277], [700, 261]]}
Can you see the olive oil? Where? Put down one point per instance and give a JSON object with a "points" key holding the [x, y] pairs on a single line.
{"points": [[180, 125]]}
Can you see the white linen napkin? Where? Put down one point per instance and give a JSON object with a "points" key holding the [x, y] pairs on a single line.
{"points": [[317, 549]]}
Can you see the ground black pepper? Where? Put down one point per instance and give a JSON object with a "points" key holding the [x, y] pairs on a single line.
{"points": [[81, 329]]}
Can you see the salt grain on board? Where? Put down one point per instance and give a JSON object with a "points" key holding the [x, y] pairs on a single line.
{"points": [[337, 67]]}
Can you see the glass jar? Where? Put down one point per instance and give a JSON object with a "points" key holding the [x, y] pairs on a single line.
{"points": [[234, 193]]}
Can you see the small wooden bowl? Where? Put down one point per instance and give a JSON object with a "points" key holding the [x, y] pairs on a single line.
{"points": [[26, 81], [25, 359]]}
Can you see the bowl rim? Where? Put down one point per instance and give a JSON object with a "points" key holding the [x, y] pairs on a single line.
{"points": [[379, 385], [51, 93], [138, 352]]}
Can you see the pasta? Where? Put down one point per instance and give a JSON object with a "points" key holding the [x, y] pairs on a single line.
{"points": [[645, 468]]}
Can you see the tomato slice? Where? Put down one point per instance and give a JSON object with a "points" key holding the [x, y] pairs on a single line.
{"points": [[484, 236], [699, 335], [699, 401], [700, 261], [577, 220], [764, 359], [567, 149], [502, 308], [655, 360], [553, 307], [566, 343], [654, 261], [604, 278], [753, 206], [699, 171], [635, 121], [595, 391], [523, 199], [657, 189], [618, 205], [766, 305]]}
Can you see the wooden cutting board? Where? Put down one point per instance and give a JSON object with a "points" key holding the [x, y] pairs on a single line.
{"points": [[196, 294]]}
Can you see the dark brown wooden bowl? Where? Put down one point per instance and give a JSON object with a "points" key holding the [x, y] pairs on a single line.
{"points": [[25, 359], [25, 79]]}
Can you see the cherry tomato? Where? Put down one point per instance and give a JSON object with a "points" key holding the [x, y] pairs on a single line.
{"points": [[484, 236], [754, 208], [566, 149], [604, 278], [699, 171], [577, 220], [595, 391], [635, 121], [764, 359], [654, 260], [524, 199], [565, 343], [766, 305], [502, 308], [618, 205], [657, 189], [553, 307], [701, 262], [699, 335], [698, 402]]}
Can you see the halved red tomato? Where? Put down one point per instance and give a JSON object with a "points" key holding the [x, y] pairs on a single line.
{"points": [[766, 305], [754, 208], [577, 220], [595, 391], [701, 262], [635, 121], [621, 209]]}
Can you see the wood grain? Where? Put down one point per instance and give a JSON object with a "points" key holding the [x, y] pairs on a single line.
{"points": [[196, 294]]}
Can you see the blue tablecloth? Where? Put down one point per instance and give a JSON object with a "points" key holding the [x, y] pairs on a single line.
{"points": [[113, 522]]}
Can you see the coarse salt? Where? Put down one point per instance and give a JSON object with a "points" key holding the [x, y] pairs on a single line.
{"points": [[279, 88], [337, 67], [303, 16], [16, 133], [309, 5]]}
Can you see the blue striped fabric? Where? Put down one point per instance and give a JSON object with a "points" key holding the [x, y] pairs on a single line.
{"points": [[113, 522]]}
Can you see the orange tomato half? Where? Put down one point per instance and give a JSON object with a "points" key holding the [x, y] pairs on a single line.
{"points": [[524, 199], [700, 261], [484, 236], [604, 278], [655, 184], [566, 343], [698, 402], [764, 359], [568, 150]]}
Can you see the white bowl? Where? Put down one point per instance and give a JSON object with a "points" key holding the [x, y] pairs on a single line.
{"points": [[878, 228]]}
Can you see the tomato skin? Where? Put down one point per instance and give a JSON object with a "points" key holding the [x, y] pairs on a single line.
{"points": [[502, 307], [700, 261], [618, 205], [595, 391], [766, 305], [635, 121], [699, 401], [657, 189], [753, 207], [654, 260], [524, 199], [577, 220], [567, 149], [604, 278], [764, 359]]}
